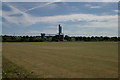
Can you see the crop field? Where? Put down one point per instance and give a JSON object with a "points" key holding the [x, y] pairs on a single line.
{"points": [[0, 60], [65, 59]]}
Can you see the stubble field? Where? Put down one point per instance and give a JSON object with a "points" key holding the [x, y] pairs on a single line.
{"points": [[65, 59]]}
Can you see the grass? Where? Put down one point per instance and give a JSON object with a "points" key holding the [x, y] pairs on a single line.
{"points": [[65, 59], [11, 70]]}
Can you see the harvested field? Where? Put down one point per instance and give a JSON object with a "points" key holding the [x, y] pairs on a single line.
{"points": [[65, 59]]}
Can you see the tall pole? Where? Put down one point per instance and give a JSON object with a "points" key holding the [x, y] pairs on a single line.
{"points": [[60, 31]]}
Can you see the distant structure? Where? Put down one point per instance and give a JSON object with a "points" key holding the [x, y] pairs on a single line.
{"points": [[60, 29], [42, 35], [57, 37], [60, 34]]}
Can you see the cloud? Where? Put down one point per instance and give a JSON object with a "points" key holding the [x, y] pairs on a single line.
{"points": [[32, 32], [26, 19], [95, 7], [60, 1], [91, 33], [21, 18], [118, 11], [86, 30], [92, 29], [103, 25], [38, 32], [40, 6], [91, 6], [0, 13]]}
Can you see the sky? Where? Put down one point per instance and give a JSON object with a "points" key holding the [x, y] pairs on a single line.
{"points": [[60, 0], [76, 18]]}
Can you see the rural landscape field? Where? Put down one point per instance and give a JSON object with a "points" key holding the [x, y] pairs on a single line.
{"points": [[64, 59]]}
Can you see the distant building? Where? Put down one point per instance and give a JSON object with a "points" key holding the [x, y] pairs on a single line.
{"points": [[43, 35], [60, 34], [56, 37]]}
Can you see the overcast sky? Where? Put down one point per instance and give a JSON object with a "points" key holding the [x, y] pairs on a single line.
{"points": [[77, 18]]}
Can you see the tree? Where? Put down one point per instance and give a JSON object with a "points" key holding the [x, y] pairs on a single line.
{"points": [[67, 38]]}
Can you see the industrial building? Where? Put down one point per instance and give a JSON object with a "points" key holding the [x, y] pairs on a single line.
{"points": [[57, 37]]}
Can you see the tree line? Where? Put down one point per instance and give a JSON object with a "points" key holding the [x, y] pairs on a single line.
{"points": [[6, 38]]}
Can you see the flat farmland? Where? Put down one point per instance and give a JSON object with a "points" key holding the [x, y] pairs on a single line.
{"points": [[65, 59]]}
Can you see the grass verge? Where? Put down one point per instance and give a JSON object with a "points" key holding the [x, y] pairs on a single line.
{"points": [[11, 70]]}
